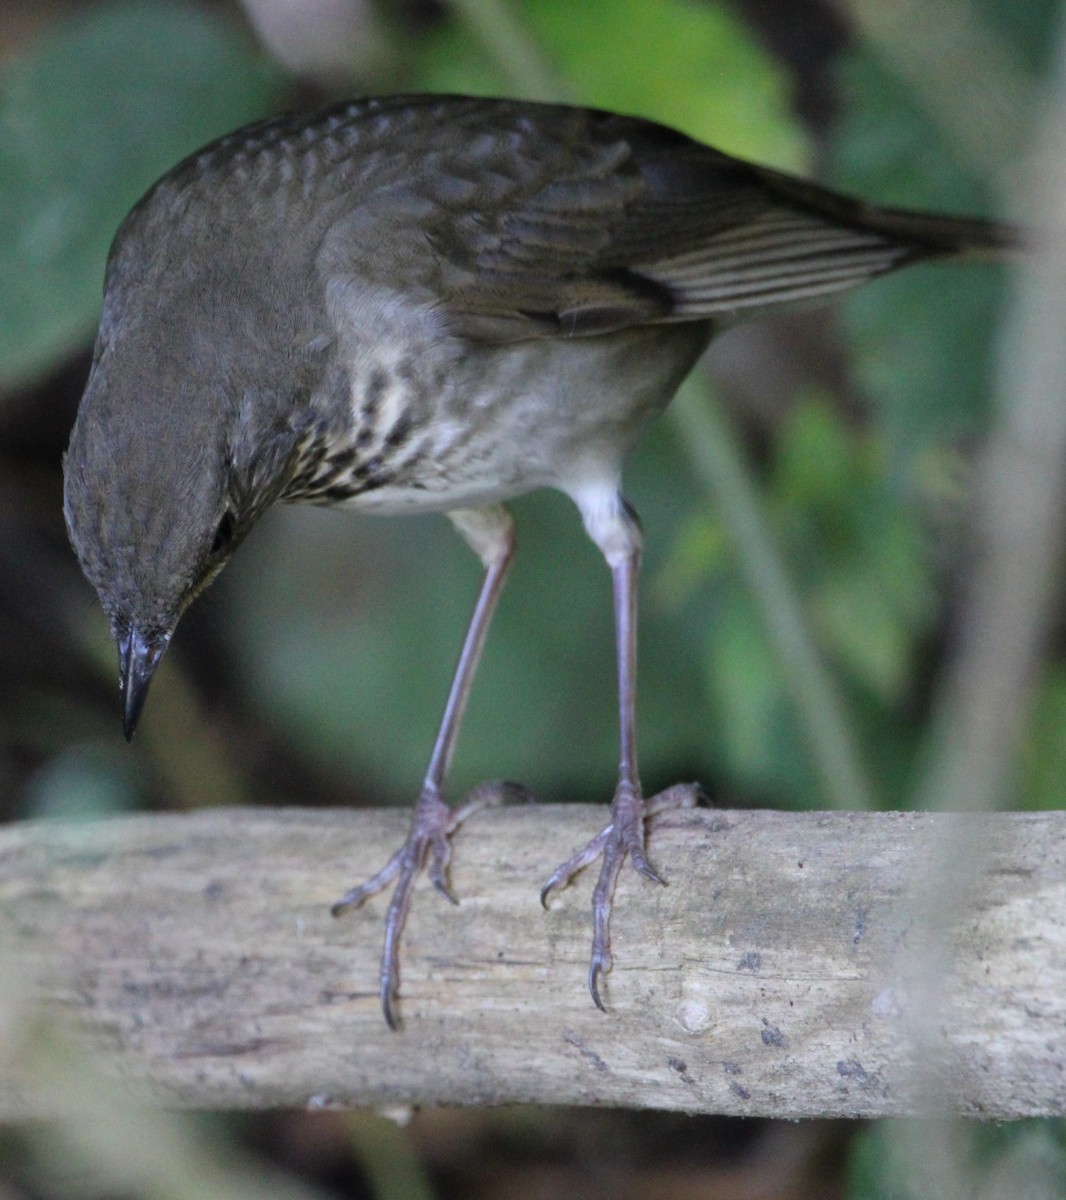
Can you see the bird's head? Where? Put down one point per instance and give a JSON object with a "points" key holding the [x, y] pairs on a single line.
{"points": [[166, 472]]}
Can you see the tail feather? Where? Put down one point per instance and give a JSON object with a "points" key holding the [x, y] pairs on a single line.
{"points": [[933, 233], [749, 236], [781, 257]]}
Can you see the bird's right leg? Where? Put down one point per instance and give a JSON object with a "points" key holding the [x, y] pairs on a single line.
{"points": [[489, 532]]}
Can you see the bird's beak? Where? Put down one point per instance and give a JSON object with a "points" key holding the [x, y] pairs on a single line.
{"points": [[138, 657]]}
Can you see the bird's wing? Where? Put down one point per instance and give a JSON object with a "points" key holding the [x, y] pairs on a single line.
{"points": [[589, 222], [517, 220]]}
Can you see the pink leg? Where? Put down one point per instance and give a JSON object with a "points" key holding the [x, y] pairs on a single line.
{"points": [[615, 529], [490, 532]]}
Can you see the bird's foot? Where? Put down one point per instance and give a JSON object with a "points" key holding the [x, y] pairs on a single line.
{"points": [[428, 841], [622, 838]]}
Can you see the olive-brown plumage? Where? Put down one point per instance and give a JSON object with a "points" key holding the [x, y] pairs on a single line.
{"points": [[430, 303]]}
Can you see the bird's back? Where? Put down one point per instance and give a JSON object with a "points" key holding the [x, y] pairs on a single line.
{"points": [[519, 220]]}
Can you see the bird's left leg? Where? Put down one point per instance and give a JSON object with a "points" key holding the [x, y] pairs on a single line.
{"points": [[489, 532], [615, 528]]}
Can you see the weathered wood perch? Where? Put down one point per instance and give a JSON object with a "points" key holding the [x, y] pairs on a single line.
{"points": [[774, 976]]}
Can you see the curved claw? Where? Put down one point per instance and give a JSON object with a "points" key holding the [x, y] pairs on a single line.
{"points": [[565, 872], [431, 827], [389, 979], [641, 864], [622, 838], [429, 839], [614, 856], [356, 896], [439, 851], [595, 971]]}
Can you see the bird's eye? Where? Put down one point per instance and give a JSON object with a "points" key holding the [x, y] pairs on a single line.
{"points": [[224, 533]]}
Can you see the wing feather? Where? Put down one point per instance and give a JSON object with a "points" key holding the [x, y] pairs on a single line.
{"points": [[552, 221]]}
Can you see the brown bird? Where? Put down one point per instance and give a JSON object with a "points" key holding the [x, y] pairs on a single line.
{"points": [[424, 304]]}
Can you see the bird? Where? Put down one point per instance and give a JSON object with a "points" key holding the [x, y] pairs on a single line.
{"points": [[423, 303]]}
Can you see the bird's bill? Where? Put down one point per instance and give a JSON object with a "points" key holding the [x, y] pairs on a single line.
{"points": [[138, 657]]}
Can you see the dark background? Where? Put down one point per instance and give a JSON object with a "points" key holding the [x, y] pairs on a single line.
{"points": [[314, 670]]}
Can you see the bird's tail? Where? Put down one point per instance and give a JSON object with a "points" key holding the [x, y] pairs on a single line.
{"points": [[927, 234], [804, 243]]}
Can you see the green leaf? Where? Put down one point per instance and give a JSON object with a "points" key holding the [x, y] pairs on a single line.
{"points": [[1044, 754], [922, 339], [722, 86], [893, 1160], [90, 115], [761, 745]]}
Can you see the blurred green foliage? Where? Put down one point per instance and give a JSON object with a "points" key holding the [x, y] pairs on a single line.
{"points": [[543, 709], [346, 630], [721, 85], [921, 342], [1025, 1158], [90, 114], [858, 550]]}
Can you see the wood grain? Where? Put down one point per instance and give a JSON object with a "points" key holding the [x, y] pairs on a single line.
{"points": [[774, 976]]}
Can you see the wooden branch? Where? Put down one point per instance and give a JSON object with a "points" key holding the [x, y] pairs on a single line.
{"points": [[773, 977]]}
